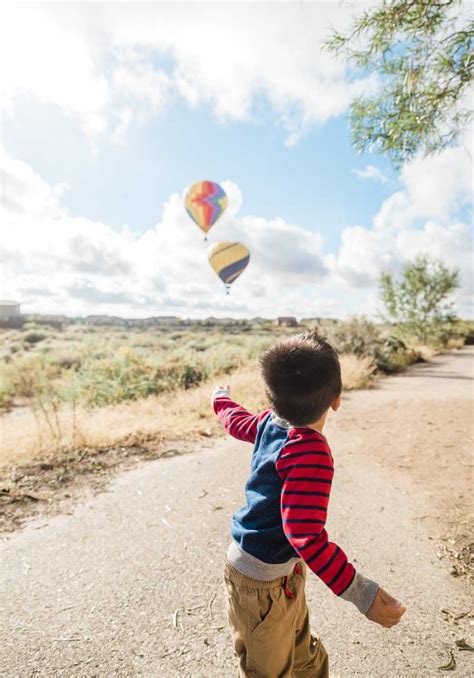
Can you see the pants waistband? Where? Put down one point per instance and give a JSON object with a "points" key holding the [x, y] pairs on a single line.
{"points": [[242, 580]]}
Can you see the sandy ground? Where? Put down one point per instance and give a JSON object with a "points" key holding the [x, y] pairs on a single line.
{"points": [[129, 583]]}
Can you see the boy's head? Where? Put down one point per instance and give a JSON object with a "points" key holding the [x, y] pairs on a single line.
{"points": [[302, 378]]}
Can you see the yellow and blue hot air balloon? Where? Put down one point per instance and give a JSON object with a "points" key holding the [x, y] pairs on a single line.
{"points": [[205, 202], [228, 259]]}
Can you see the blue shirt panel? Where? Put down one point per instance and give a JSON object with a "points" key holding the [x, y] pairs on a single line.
{"points": [[257, 527]]}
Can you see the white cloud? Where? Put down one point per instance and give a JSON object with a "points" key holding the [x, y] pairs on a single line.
{"points": [[53, 261], [371, 172], [439, 184], [422, 218], [92, 59], [45, 57]]}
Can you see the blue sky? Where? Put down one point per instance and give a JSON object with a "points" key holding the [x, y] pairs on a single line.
{"points": [[111, 110], [311, 184]]}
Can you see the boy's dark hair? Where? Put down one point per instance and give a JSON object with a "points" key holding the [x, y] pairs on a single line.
{"points": [[302, 377]]}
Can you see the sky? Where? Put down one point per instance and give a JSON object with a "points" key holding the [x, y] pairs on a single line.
{"points": [[110, 111]]}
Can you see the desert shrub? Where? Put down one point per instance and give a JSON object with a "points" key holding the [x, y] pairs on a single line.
{"points": [[121, 376], [190, 375], [34, 337], [32, 376], [358, 336], [68, 361], [363, 338], [437, 337]]}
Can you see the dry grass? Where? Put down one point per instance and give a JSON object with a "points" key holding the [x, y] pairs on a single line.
{"points": [[456, 343], [426, 353], [357, 372], [28, 437]]}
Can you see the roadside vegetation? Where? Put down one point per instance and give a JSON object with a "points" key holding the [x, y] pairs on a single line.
{"points": [[83, 400], [82, 389]]}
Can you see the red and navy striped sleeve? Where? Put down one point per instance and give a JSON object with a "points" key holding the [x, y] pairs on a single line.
{"points": [[306, 468], [236, 419]]}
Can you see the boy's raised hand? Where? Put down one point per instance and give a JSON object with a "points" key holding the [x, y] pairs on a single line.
{"points": [[221, 388], [385, 610], [217, 390]]}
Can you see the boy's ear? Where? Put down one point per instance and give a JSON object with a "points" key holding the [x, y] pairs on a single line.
{"points": [[336, 403]]}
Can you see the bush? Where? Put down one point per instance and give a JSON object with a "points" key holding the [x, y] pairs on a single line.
{"points": [[124, 376], [68, 361], [358, 335], [363, 338], [34, 337], [32, 376]]}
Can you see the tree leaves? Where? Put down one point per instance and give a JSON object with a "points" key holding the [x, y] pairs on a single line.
{"points": [[419, 301], [423, 52]]}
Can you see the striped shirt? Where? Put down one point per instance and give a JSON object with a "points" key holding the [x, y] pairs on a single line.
{"points": [[287, 497]]}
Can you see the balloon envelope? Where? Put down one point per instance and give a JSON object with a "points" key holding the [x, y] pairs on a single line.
{"points": [[228, 259], [205, 202]]}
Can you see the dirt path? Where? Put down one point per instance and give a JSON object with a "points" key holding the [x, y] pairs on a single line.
{"points": [[95, 593]]}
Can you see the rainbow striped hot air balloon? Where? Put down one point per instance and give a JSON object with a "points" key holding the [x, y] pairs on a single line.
{"points": [[228, 259], [205, 202]]}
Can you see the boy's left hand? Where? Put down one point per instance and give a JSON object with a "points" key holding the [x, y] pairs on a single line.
{"points": [[385, 610]]}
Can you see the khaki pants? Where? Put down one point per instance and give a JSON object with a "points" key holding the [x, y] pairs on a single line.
{"points": [[269, 622]]}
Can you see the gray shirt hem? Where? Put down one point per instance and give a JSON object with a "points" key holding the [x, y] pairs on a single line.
{"points": [[253, 567]]}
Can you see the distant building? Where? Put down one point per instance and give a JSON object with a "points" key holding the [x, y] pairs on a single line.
{"points": [[286, 322], [9, 309], [10, 315]]}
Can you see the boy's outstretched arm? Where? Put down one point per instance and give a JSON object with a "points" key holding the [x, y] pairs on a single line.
{"points": [[306, 468], [237, 421]]}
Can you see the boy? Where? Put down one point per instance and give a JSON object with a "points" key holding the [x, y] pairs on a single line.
{"points": [[281, 531]]}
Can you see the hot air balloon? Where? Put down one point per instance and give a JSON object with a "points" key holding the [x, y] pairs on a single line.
{"points": [[205, 202], [228, 259]]}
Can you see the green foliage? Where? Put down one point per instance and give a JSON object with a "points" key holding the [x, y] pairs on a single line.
{"points": [[111, 366], [364, 338], [358, 335], [30, 375], [422, 51], [122, 376], [418, 303]]}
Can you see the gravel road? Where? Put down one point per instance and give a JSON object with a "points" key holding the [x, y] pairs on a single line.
{"points": [[129, 583]]}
